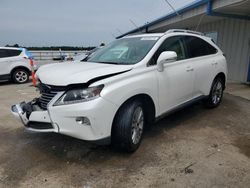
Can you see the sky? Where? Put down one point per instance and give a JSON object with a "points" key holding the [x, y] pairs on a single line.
{"points": [[75, 22]]}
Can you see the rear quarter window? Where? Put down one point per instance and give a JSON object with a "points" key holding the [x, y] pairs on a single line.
{"points": [[198, 47], [12, 53], [3, 53]]}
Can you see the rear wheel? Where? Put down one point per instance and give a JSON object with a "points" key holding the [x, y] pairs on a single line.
{"points": [[215, 97], [128, 126], [20, 76]]}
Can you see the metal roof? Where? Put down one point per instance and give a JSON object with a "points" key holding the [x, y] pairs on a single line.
{"points": [[230, 8], [191, 6]]}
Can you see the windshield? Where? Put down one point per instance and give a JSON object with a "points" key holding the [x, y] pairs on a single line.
{"points": [[124, 51]]}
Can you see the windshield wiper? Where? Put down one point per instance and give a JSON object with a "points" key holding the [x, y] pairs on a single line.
{"points": [[106, 62], [113, 63]]}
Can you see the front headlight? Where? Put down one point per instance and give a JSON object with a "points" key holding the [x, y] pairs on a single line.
{"points": [[79, 95]]}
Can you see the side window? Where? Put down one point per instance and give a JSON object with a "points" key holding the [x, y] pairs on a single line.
{"points": [[171, 44], [3, 53], [12, 53], [198, 47], [9, 53]]}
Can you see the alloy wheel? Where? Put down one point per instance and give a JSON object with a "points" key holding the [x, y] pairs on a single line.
{"points": [[217, 92], [21, 76], [137, 125]]}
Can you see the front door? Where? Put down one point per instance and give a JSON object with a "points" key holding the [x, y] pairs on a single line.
{"points": [[176, 82]]}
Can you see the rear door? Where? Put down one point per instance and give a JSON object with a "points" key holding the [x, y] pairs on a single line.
{"points": [[204, 61], [4, 62]]}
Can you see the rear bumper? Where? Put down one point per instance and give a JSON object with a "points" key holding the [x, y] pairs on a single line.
{"points": [[63, 119]]}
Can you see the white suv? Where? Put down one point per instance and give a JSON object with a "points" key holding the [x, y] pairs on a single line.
{"points": [[15, 64], [126, 86]]}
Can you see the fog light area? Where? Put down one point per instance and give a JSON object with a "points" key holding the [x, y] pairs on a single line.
{"points": [[83, 121]]}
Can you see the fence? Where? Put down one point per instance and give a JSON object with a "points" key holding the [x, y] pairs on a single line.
{"points": [[50, 55]]}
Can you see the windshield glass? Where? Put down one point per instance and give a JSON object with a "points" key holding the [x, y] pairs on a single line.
{"points": [[124, 51]]}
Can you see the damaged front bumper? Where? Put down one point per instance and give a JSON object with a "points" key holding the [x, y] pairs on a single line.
{"points": [[64, 119], [33, 117]]}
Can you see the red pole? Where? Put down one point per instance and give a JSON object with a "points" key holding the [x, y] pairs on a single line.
{"points": [[33, 73]]}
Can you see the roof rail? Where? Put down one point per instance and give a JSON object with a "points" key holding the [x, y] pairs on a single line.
{"points": [[183, 31]]}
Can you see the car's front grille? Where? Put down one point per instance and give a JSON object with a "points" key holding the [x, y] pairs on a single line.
{"points": [[48, 92], [45, 98]]}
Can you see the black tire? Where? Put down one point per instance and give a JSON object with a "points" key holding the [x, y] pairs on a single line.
{"points": [[124, 131], [20, 76], [216, 93]]}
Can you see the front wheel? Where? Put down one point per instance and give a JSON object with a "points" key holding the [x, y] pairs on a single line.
{"points": [[128, 126], [215, 97]]}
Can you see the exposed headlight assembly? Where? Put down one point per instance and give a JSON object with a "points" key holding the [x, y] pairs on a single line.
{"points": [[79, 95]]}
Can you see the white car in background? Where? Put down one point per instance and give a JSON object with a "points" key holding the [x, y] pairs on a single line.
{"points": [[85, 56], [15, 64], [79, 57], [126, 86]]}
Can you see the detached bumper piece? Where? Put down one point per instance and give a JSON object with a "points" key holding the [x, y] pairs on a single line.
{"points": [[33, 117], [19, 111]]}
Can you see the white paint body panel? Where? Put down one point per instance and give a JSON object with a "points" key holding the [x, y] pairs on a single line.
{"points": [[9, 63], [63, 74], [176, 84]]}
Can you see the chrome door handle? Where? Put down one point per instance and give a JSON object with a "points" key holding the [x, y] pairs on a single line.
{"points": [[216, 63], [189, 70]]}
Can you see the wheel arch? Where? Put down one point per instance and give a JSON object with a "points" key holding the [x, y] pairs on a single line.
{"points": [[223, 77], [148, 106], [20, 67]]}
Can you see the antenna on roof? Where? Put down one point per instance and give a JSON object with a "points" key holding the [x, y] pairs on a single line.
{"points": [[113, 35], [133, 23], [172, 7], [119, 31], [201, 18]]}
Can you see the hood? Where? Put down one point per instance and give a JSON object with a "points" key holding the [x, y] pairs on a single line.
{"points": [[63, 74]]}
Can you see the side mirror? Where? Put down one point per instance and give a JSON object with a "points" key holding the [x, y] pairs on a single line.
{"points": [[166, 57]]}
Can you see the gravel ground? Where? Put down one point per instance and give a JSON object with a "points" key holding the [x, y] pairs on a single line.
{"points": [[194, 147]]}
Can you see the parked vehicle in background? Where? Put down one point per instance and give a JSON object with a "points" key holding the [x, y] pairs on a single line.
{"points": [[85, 56], [80, 57], [15, 64], [126, 86]]}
